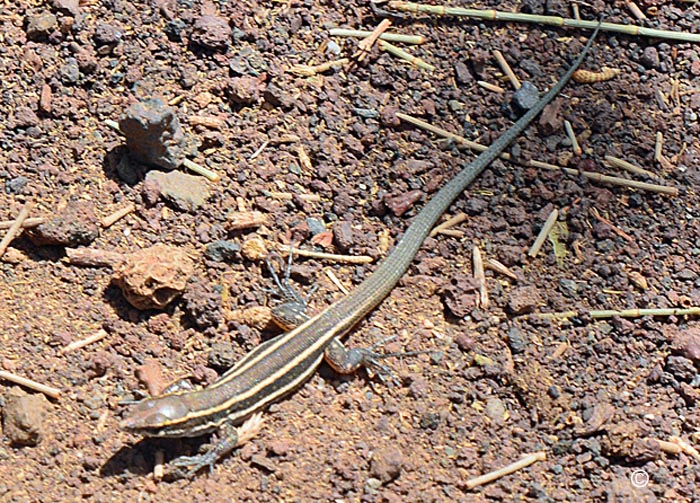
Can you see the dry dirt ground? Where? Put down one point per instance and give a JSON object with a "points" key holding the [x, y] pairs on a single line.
{"points": [[327, 165]]}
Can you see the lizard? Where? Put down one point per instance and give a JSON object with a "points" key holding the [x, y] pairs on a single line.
{"points": [[280, 365]]}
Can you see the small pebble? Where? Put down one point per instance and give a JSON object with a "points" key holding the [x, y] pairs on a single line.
{"points": [[41, 25], [70, 7], [24, 117], [687, 344], [151, 278], [496, 410], [386, 464], [70, 71], [185, 192], [279, 447], [523, 300], [212, 32], [525, 98], [153, 134], [74, 225], [23, 416], [254, 249], [222, 251]]}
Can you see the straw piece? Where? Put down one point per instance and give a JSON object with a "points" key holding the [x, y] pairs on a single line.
{"points": [[28, 383]]}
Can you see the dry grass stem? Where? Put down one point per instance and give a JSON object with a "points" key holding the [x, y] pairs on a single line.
{"points": [[207, 121], [28, 383], [110, 220], [389, 37], [310, 71], [588, 77], [15, 228], [93, 257], [191, 165], [636, 11], [686, 448], [97, 336], [507, 70], [239, 220], [405, 55], [659, 146], [27, 224], [259, 151], [334, 279], [491, 87], [450, 222], [572, 137], [159, 465], [544, 232], [288, 196], [480, 278], [498, 267], [346, 259], [613, 180], [524, 462], [668, 447], [201, 170], [517, 17], [628, 166], [640, 313]]}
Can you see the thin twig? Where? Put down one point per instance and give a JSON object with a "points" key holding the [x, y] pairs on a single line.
{"points": [[28, 383], [14, 229], [495, 15], [347, 259], [405, 55], [544, 232], [480, 278], [365, 45], [524, 462], [450, 222], [97, 336], [572, 137], [612, 226], [27, 224], [613, 180], [505, 67], [389, 37], [110, 220]]}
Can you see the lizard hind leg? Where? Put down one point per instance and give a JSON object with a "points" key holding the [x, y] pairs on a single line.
{"points": [[292, 312]]}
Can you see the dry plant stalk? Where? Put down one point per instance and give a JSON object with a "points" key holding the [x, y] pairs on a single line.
{"points": [[365, 45], [49, 391], [15, 228], [480, 278], [505, 67], [613, 180], [524, 462], [544, 232]]}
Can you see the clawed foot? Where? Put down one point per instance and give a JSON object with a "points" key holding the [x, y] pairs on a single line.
{"points": [[186, 467]]}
